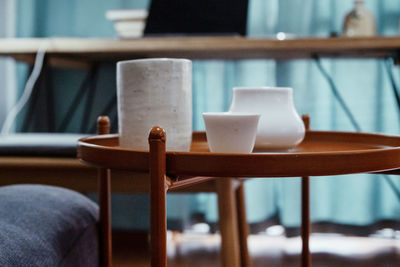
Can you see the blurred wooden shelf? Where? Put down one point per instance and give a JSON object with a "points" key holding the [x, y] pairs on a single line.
{"points": [[112, 50]]}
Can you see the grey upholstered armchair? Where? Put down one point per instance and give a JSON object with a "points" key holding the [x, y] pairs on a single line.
{"points": [[47, 226]]}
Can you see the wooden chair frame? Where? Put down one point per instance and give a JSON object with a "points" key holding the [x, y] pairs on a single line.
{"points": [[231, 206]]}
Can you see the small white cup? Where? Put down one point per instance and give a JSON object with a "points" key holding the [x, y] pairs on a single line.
{"points": [[229, 132]]}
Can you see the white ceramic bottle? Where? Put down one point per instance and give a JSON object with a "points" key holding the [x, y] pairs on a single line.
{"points": [[280, 127], [359, 22]]}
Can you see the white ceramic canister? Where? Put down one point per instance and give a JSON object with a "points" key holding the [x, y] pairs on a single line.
{"points": [[155, 92], [280, 126]]}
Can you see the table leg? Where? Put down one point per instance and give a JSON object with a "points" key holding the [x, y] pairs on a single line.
{"points": [[243, 226], [111, 105], [158, 190], [88, 107], [48, 79], [103, 127], [40, 116], [105, 217], [305, 221], [77, 99], [228, 226]]}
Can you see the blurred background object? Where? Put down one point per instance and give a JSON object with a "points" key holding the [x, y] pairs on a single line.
{"points": [[128, 23], [359, 22], [203, 17]]}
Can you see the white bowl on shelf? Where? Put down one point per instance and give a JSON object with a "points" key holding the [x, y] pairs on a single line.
{"points": [[229, 132], [129, 29], [128, 23], [127, 14]]}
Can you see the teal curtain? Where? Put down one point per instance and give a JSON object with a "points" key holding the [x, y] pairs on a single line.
{"points": [[364, 84]]}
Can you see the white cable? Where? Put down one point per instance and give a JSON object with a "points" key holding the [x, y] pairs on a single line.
{"points": [[13, 113]]}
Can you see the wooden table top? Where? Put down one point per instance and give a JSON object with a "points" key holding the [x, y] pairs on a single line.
{"points": [[321, 153], [94, 49]]}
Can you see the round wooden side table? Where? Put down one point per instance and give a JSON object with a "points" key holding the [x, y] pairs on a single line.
{"points": [[320, 154]]}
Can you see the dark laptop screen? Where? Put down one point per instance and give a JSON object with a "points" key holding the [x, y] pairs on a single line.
{"points": [[197, 17]]}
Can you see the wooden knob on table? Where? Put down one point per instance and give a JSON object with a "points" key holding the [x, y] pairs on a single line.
{"points": [[157, 133], [103, 125]]}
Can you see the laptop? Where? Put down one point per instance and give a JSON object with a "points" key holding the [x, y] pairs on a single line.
{"points": [[197, 18]]}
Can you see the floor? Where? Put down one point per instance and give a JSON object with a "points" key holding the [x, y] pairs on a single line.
{"points": [[203, 250]]}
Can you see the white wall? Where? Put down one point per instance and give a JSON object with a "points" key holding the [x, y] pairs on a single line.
{"points": [[7, 66]]}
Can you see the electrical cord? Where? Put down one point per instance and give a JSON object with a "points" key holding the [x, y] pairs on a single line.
{"points": [[30, 84], [388, 64], [337, 95], [396, 190]]}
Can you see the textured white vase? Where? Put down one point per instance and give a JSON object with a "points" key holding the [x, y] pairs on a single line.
{"points": [[155, 92], [280, 127]]}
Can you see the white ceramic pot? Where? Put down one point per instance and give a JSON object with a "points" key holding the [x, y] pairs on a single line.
{"points": [[231, 132], [155, 92], [280, 126]]}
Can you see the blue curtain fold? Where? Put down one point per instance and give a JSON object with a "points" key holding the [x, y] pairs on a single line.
{"points": [[364, 83]]}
